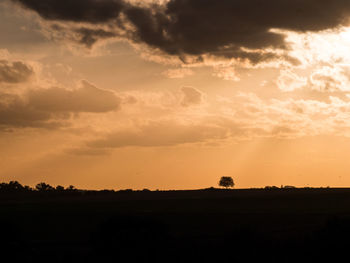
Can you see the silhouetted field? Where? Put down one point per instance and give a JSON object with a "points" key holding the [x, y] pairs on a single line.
{"points": [[212, 225]]}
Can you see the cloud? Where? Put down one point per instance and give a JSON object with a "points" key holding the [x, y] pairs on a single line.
{"points": [[250, 117], [244, 117], [50, 108], [330, 79], [226, 73], [161, 133], [91, 11], [178, 73], [88, 98], [89, 37], [247, 30], [326, 79], [15, 72], [224, 27], [289, 81], [294, 117], [191, 96], [83, 35], [15, 112]]}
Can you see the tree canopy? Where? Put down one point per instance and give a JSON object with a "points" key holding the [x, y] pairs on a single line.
{"points": [[226, 181]]}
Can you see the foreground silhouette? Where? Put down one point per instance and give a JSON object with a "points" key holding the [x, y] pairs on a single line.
{"points": [[51, 224]]}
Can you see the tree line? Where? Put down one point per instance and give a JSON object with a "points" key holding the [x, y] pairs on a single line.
{"points": [[16, 187]]}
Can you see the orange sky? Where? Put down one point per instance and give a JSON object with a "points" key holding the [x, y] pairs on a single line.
{"points": [[85, 102]]}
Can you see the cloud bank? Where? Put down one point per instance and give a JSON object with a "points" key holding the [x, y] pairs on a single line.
{"points": [[161, 134], [240, 29], [50, 108], [91, 11]]}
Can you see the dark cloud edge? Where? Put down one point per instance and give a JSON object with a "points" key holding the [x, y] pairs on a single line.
{"points": [[226, 29]]}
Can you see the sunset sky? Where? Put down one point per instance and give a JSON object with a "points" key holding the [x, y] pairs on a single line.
{"points": [[175, 94]]}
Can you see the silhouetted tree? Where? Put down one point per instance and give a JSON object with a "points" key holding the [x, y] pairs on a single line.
{"points": [[71, 188], [59, 188], [12, 186], [226, 182], [28, 188], [43, 187], [271, 187]]}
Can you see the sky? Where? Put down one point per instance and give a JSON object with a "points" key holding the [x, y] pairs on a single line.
{"points": [[174, 94]]}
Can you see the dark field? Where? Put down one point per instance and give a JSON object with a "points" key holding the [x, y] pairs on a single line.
{"points": [[278, 225]]}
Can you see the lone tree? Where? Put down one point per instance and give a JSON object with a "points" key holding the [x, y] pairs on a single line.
{"points": [[226, 182]]}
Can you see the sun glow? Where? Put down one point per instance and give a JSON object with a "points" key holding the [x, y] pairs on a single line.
{"points": [[331, 46]]}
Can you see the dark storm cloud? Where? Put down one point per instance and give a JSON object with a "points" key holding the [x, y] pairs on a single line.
{"points": [[15, 72], [83, 35], [49, 108], [91, 11], [89, 37], [223, 28]]}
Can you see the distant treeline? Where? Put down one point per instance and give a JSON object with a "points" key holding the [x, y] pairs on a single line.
{"points": [[14, 187]]}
